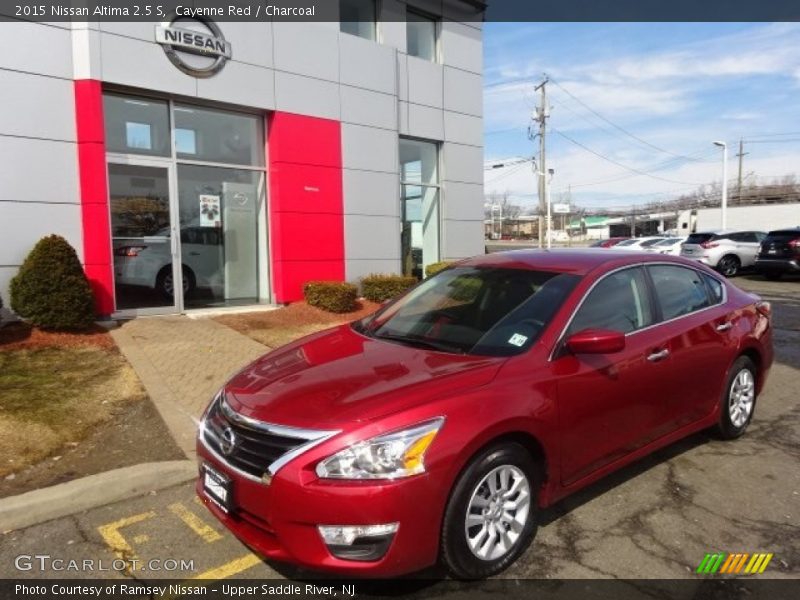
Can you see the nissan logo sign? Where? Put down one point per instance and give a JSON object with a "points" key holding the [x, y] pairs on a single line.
{"points": [[194, 44], [228, 441]]}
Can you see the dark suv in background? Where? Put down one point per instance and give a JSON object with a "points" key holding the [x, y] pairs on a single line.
{"points": [[779, 253]]}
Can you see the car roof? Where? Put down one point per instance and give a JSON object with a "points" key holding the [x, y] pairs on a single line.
{"points": [[579, 261], [786, 230]]}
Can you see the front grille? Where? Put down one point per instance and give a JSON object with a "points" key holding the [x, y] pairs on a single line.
{"points": [[255, 448]]}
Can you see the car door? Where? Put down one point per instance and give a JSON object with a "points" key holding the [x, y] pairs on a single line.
{"points": [[695, 324], [611, 404]]}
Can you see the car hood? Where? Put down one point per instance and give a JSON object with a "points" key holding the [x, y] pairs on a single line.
{"points": [[338, 376]]}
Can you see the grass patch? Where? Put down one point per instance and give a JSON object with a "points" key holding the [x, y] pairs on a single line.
{"points": [[50, 397]]}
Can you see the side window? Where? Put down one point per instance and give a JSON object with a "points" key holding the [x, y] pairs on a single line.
{"points": [[715, 288], [760, 236], [750, 237], [679, 290], [620, 302]]}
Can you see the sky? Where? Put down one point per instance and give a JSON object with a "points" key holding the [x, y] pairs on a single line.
{"points": [[646, 97]]}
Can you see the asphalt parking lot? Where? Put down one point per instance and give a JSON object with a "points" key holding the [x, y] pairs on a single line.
{"points": [[655, 519]]}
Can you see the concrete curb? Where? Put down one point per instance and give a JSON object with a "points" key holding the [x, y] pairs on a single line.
{"points": [[46, 504]]}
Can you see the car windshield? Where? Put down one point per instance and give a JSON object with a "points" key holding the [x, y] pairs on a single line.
{"points": [[473, 310], [668, 242]]}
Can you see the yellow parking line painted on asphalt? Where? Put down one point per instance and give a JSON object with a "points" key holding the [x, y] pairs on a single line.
{"points": [[115, 540], [231, 568], [195, 523]]}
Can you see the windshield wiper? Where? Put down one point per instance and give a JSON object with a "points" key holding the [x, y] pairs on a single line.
{"points": [[419, 342]]}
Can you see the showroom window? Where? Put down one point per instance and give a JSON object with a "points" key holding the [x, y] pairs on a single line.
{"points": [[421, 35], [357, 17], [419, 202], [187, 218]]}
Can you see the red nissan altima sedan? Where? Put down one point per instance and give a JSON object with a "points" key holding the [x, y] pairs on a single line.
{"points": [[437, 428]]}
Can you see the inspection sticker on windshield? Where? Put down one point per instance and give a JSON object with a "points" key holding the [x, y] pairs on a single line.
{"points": [[518, 340]]}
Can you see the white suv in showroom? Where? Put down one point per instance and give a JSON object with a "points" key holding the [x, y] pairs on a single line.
{"points": [[726, 251]]}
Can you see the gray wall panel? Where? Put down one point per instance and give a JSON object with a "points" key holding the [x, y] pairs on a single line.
{"points": [[37, 106], [462, 239], [463, 163], [356, 269], [369, 148], [425, 122], [463, 91], [371, 237], [462, 46], [424, 82], [306, 96], [371, 193], [50, 53], [366, 64], [364, 107], [25, 223], [463, 129], [308, 49], [463, 201], [240, 83], [38, 170]]}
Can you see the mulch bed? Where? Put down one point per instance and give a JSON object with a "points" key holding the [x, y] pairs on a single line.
{"points": [[296, 314], [21, 336]]}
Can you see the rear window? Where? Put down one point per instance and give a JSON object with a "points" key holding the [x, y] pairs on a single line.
{"points": [[649, 243], [783, 235], [700, 238]]}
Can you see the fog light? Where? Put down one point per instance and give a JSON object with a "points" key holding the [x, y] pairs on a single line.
{"points": [[358, 542]]}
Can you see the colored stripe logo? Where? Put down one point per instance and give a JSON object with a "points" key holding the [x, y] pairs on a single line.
{"points": [[736, 563]]}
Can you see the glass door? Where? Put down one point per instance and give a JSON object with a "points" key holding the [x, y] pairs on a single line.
{"points": [[147, 274]]}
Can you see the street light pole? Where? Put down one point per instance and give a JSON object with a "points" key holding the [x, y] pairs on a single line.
{"points": [[724, 211]]}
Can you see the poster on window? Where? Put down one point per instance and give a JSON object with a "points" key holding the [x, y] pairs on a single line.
{"points": [[209, 211]]}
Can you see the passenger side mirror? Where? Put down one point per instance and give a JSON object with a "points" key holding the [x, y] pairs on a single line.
{"points": [[596, 341]]}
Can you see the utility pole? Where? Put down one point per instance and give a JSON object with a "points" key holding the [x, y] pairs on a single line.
{"points": [[740, 156], [541, 114]]}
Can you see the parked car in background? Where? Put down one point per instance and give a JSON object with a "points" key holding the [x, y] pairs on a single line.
{"points": [[609, 243], [436, 429], [671, 246], [726, 251], [147, 261], [638, 244], [779, 253]]}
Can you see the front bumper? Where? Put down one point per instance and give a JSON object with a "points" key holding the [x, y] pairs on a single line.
{"points": [[279, 521]]}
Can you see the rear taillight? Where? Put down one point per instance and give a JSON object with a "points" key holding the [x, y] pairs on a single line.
{"points": [[708, 245], [129, 250], [765, 308], [795, 244]]}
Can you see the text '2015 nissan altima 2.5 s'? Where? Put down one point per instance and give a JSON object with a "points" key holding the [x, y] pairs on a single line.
{"points": [[437, 428]]}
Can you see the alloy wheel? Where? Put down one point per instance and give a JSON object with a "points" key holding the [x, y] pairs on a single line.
{"points": [[497, 512], [741, 397], [729, 266]]}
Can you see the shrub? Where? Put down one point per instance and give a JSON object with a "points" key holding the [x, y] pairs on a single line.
{"points": [[433, 268], [333, 296], [380, 288], [50, 290]]}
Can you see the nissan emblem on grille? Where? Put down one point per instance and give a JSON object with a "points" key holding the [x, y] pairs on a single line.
{"points": [[228, 441]]}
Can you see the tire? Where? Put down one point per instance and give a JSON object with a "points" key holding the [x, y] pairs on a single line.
{"points": [[738, 401], [470, 493], [729, 265], [164, 282]]}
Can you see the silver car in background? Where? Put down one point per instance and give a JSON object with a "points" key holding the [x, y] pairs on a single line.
{"points": [[638, 244], [726, 251], [671, 246]]}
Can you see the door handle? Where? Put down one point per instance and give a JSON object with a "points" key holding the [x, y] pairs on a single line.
{"points": [[657, 356], [724, 326]]}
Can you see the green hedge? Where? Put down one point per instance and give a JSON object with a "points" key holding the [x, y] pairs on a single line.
{"points": [[50, 290], [333, 296], [433, 268], [380, 288]]}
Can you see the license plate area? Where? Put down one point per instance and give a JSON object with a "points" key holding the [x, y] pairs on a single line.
{"points": [[218, 487]]}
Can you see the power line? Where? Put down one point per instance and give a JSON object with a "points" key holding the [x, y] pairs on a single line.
{"points": [[619, 164], [619, 127]]}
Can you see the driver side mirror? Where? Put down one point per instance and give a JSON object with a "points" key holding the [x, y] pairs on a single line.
{"points": [[596, 341]]}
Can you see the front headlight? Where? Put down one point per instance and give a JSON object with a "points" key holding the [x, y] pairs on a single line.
{"points": [[388, 456]]}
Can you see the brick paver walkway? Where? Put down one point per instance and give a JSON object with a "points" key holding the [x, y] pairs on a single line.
{"points": [[182, 362]]}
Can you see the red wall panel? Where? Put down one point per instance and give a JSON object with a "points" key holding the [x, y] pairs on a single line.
{"points": [[306, 218], [94, 192]]}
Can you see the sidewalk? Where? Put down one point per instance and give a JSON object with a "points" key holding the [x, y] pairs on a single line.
{"points": [[182, 362]]}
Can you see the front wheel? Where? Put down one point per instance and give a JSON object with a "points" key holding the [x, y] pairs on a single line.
{"points": [[491, 517], [738, 400]]}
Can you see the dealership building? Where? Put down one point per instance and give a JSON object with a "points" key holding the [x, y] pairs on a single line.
{"points": [[196, 163]]}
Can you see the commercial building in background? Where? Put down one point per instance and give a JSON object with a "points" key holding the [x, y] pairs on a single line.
{"points": [[195, 164]]}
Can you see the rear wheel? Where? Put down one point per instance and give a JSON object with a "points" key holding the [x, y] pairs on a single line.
{"points": [[491, 516], [739, 399], [729, 265], [166, 285]]}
